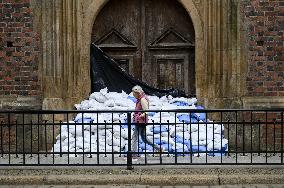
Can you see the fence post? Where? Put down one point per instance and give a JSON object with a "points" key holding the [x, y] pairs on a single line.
{"points": [[129, 152]]}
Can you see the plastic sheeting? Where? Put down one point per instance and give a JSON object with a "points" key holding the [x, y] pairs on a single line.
{"points": [[105, 72]]}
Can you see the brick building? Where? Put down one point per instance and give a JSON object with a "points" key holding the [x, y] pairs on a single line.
{"points": [[242, 40], [45, 48]]}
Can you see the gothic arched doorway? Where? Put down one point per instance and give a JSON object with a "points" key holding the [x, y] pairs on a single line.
{"points": [[152, 40]]}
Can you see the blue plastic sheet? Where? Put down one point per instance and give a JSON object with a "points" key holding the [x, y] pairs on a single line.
{"points": [[151, 113], [181, 103], [197, 148], [132, 98], [179, 139], [187, 119], [85, 120], [159, 129]]}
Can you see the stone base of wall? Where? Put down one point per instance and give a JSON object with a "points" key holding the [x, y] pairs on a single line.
{"points": [[263, 102]]}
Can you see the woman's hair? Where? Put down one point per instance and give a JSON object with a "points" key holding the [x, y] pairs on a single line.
{"points": [[137, 89]]}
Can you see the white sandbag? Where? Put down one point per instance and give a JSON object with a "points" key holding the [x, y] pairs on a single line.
{"points": [[98, 96], [175, 130], [120, 108], [63, 136], [179, 99], [70, 143], [109, 103], [77, 130], [177, 146], [164, 99], [115, 141], [217, 145], [192, 101], [183, 135], [104, 91], [115, 96], [168, 107]]}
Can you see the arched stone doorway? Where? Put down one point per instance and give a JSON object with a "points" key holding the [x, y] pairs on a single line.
{"points": [[66, 28], [152, 40]]}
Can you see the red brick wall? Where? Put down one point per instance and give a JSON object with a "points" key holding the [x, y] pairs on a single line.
{"points": [[265, 32], [19, 49]]}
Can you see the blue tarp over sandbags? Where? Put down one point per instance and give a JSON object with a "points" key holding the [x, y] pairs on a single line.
{"points": [[180, 103], [187, 119], [159, 129], [84, 120]]}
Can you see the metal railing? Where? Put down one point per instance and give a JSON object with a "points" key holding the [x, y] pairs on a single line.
{"points": [[173, 137]]}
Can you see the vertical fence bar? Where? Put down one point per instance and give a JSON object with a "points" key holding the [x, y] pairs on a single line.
{"points": [[282, 124], [175, 138], [228, 122], [168, 138], [153, 139], [259, 137], [45, 137], [160, 147], [145, 134], [243, 137], [183, 141], [60, 144], [105, 138], [221, 124], [274, 139], [38, 142], [120, 138], [236, 141], [9, 139], [266, 137], [31, 138], [251, 137], [112, 155], [83, 134], [206, 137], [75, 135], [98, 145], [16, 138], [24, 155], [190, 137], [2, 148], [198, 132], [129, 152], [53, 137], [91, 122], [213, 138], [68, 132]]}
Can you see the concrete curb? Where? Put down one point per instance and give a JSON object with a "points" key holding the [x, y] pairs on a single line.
{"points": [[143, 176]]}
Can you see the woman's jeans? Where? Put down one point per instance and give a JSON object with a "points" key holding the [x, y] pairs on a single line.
{"points": [[140, 131]]}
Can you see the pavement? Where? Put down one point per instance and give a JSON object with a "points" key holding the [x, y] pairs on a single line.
{"points": [[146, 186], [161, 176]]}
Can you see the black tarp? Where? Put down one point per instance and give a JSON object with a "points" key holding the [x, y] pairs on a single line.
{"points": [[105, 72]]}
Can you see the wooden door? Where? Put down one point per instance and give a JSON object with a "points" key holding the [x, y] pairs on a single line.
{"points": [[152, 39]]}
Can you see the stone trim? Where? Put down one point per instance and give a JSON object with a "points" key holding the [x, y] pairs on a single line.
{"points": [[263, 102], [20, 102]]}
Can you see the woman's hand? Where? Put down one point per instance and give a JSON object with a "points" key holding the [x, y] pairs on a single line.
{"points": [[143, 115]]}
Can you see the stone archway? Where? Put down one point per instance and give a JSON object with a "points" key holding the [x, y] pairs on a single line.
{"points": [[66, 28], [149, 35], [193, 13]]}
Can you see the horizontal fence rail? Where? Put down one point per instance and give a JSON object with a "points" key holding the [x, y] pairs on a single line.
{"points": [[169, 137]]}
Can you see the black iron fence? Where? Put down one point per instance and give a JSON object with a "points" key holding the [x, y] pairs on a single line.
{"points": [[170, 137]]}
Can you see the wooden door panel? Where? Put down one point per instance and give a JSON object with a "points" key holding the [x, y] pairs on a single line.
{"points": [[170, 73], [147, 36]]}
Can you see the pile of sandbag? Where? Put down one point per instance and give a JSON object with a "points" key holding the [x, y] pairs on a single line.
{"points": [[172, 132]]}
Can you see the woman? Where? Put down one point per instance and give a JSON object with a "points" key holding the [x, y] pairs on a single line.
{"points": [[140, 118]]}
